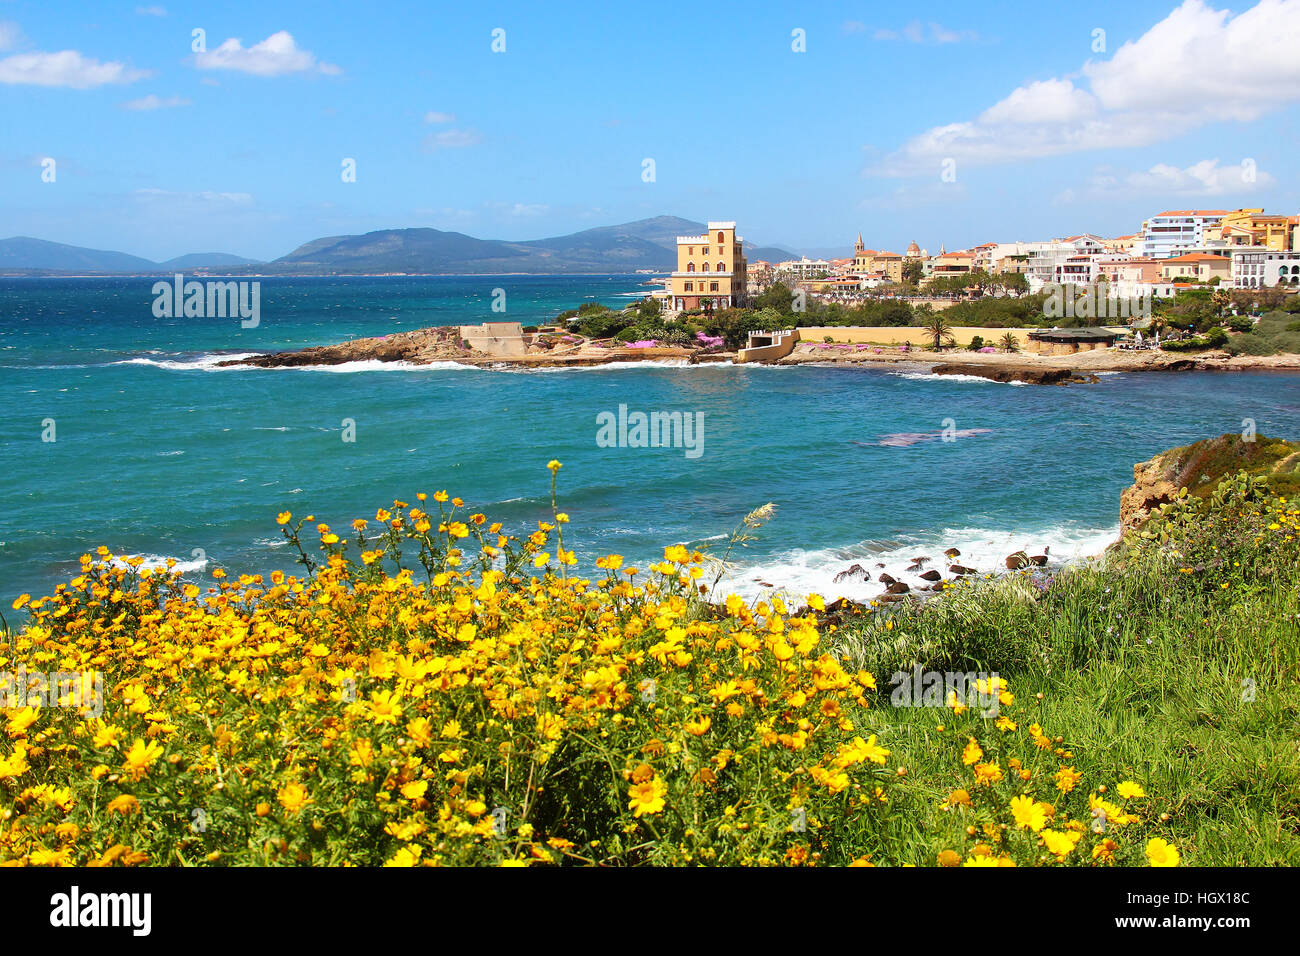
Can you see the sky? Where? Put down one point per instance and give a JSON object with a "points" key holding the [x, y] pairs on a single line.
{"points": [[944, 123]]}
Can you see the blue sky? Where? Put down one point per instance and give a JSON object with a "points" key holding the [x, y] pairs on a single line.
{"points": [[161, 151]]}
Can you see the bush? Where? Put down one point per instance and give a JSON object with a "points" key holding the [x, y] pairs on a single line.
{"points": [[976, 343]]}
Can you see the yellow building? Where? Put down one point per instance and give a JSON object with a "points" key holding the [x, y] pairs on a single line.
{"points": [[1197, 265], [1250, 227], [888, 264], [711, 270]]}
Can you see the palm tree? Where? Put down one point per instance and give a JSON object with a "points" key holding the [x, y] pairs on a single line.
{"points": [[939, 330], [1010, 343]]}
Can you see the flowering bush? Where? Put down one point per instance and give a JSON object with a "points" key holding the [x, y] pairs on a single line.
{"points": [[431, 690]]}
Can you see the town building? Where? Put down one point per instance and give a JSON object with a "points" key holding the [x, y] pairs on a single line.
{"points": [[711, 270], [1176, 231], [1257, 268], [1197, 265]]}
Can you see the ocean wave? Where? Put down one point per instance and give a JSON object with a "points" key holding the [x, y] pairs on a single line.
{"points": [[905, 439], [201, 363], [799, 572], [158, 562], [930, 377]]}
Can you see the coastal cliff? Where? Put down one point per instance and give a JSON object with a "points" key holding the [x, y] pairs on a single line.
{"points": [[1199, 467]]}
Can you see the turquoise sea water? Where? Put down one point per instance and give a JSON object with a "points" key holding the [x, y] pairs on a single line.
{"points": [[160, 454]]}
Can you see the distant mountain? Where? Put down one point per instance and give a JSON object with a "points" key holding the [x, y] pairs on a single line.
{"points": [[644, 244], [23, 253], [207, 260]]}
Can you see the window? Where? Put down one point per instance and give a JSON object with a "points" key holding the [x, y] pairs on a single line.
{"points": [[721, 240], [704, 267], [722, 267], [713, 287], [690, 287], [690, 267], [704, 250]]}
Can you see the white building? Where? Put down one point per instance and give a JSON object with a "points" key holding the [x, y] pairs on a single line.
{"points": [[804, 268], [1177, 231], [1256, 267], [1048, 259]]}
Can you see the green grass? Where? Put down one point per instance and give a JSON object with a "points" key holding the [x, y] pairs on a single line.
{"points": [[1146, 672]]}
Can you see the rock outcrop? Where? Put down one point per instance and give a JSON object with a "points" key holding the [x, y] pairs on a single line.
{"points": [[1201, 466], [1030, 374]]}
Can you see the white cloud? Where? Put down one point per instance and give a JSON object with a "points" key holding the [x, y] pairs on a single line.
{"points": [[277, 55], [918, 32], [435, 117], [151, 11], [205, 197], [854, 26], [1197, 66], [1205, 179], [452, 139], [155, 102], [10, 34], [65, 68]]}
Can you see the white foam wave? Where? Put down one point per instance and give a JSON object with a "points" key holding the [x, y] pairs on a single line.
{"points": [[930, 377], [158, 562], [203, 363], [798, 573]]}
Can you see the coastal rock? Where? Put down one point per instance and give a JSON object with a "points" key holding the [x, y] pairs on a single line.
{"points": [[1018, 560], [1038, 560], [898, 587], [856, 570], [931, 575], [961, 570], [1030, 374], [952, 553], [1200, 467], [886, 578]]}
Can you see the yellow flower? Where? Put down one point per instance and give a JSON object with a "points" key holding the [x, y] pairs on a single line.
{"points": [[1066, 778], [415, 789], [554, 465], [647, 797], [1161, 852], [21, 720], [384, 708], [972, 753], [123, 804], [293, 797], [1129, 789], [1028, 813], [140, 757], [283, 517], [1060, 843]]}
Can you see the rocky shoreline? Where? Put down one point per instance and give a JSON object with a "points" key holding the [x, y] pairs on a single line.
{"points": [[443, 344]]}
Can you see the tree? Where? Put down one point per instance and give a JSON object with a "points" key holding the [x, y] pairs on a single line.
{"points": [[1220, 299], [912, 271], [939, 331], [776, 296], [1010, 343]]}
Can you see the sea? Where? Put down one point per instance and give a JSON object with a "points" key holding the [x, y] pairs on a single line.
{"points": [[117, 428]]}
